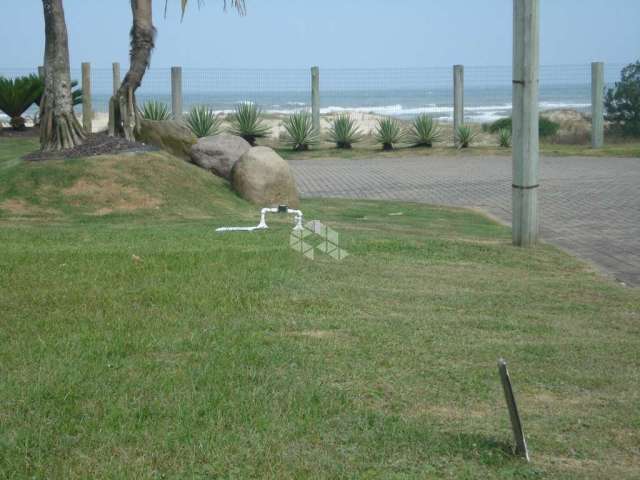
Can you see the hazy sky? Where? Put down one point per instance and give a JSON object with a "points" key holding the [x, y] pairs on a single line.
{"points": [[330, 33]]}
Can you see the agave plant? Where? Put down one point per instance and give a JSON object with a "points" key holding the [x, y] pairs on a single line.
{"points": [[504, 137], [203, 121], [465, 136], [247, 123], [153, 110], [388, 132], [300, 131], [344, 131], [17, 95], [424, 131]]}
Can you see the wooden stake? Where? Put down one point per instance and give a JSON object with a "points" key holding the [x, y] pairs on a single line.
{"points": [[516, 423]]}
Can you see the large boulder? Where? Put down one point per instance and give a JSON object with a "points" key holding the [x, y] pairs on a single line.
{"points": [[219, 153], [169, 135], [262, 177]]}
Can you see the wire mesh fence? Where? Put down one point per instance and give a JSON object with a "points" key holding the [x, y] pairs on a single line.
{"points": [[401, 92]]}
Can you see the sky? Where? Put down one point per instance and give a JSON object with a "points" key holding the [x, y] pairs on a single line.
{"points": [[329, 33]]}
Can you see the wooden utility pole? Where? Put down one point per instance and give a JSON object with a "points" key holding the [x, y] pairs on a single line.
{"points": [[526, 147]]}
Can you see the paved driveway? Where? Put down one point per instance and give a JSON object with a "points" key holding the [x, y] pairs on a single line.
{"points": [[589, 206]]}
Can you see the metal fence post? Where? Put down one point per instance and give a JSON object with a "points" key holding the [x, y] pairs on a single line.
{"points": [[87, 113], [315, 98], [116, 78], [176, 92], [597, 104], [526, 147], [458, 99]]}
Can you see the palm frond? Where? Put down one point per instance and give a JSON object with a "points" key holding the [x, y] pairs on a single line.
{"points": [[17, 95], [239, 5]]}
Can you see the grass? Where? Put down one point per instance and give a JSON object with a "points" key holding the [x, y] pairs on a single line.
{"points": [[368, 149], [137, 343]]}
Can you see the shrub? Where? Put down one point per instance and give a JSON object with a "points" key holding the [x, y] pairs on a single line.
{"points": [[546, 128], [504, 137], [153, 110], [623, 101], [465, 136], [344, 131], [388, 132], [17, 95], [203, 121], [300, 131], [502, 124], [247, 123], [424, 131]]}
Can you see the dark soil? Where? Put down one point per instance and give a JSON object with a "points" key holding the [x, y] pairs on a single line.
{"points": [[9, 132], [95, 144]]}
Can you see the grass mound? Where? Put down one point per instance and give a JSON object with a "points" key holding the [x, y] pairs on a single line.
{"points": [[142, 186]]}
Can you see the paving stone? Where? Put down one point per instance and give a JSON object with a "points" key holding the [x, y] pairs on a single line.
{"points": [[589, 206]]}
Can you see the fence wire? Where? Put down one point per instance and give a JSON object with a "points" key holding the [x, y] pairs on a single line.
{"points": [[400, 92]]}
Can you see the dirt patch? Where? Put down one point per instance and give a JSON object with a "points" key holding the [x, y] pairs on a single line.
{"points": [[113, 196], [96, 144], [16, 207], [21, 208]]}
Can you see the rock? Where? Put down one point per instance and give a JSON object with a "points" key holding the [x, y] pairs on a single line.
{"points": [[169, 135], [219, 153], [262, 177]]}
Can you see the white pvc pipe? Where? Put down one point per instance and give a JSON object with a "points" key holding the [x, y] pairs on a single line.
{"points": [[263, 221]]}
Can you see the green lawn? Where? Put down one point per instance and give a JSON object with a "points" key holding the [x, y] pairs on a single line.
{"points": [[137, 343]]}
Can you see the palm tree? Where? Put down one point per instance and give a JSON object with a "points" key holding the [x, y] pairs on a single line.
{"points": [[123, 116], [59, 127]]}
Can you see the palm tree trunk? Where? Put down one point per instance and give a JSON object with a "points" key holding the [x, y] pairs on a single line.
{"points": [[123, 112], [59, 127]]}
